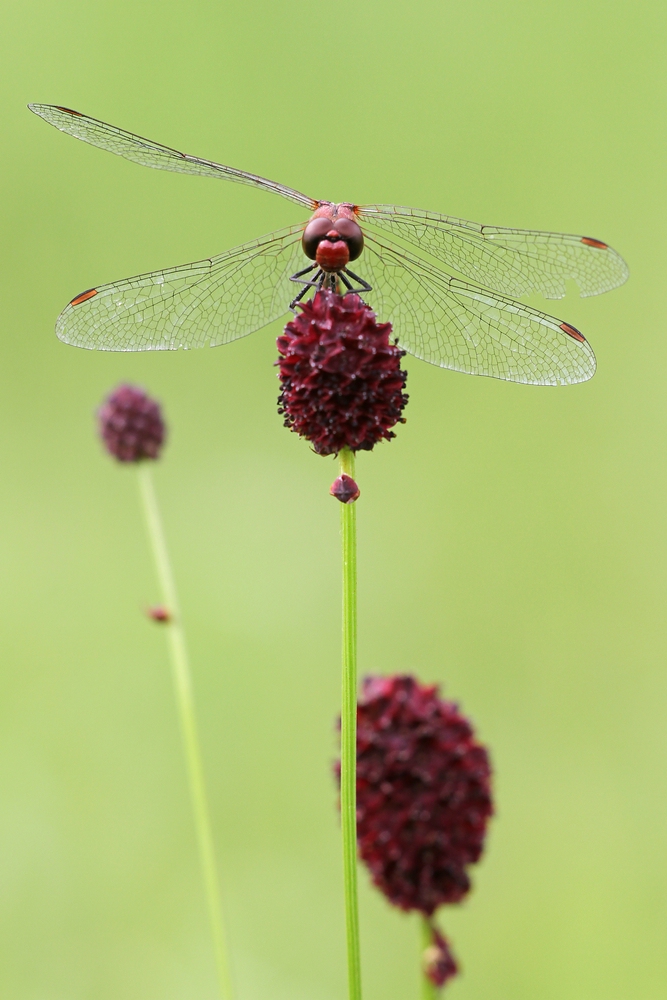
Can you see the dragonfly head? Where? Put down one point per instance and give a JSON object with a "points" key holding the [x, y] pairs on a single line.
{"points": [[333, 237]]}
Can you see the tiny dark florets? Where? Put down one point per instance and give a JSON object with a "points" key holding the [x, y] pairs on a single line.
{"points": [[439, 962], [131, 425], [423, 793], [341, 378]]}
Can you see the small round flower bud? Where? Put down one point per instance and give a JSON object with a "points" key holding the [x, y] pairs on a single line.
{"points": [[439, 963], [341, 378], [131, 425], [345, 489], [159, 613]]}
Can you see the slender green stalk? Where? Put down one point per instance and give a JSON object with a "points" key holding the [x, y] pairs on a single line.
{"points": [[429, 990], [188, 721], [348, 733]]}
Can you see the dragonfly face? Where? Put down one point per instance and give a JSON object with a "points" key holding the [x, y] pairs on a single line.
{"points": [[333, 237], [470, 320]]}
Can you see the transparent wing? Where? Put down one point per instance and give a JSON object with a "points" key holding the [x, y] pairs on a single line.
{"points": [[203, 304], [152, 154], [455, 324], [512, 261]]}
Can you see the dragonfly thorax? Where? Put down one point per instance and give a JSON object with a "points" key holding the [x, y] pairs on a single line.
{"points": [[333, 237]]}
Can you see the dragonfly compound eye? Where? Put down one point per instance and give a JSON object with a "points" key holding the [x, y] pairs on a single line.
{"points": [[315, 231]]}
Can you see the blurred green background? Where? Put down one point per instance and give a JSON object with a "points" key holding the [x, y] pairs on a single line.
{"points": [[513, 539]]}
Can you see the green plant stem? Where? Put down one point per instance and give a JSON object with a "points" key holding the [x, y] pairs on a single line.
{"points": [[429, 990], [348, 733], [188, 721]]}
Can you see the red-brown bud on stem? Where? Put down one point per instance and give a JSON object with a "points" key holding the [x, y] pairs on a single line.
{"points": [[438, 960], [159, 613], [345, 489]]}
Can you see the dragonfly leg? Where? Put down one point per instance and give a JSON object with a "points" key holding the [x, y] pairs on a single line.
{"points": [[325, 280], [299, 274], [365, 287], [315, 282]]}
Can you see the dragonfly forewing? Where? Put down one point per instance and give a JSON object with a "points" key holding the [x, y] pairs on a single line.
{"points": [[153, 154]]}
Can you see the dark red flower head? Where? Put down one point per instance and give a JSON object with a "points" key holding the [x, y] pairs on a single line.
{"points": [[341, 378], [438, 960], [423, 793], [131, 424]]}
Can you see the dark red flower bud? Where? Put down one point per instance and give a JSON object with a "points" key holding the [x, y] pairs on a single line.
{"points": [[345, 489], [439, 963], [159, 614], [341, 378], [423, 793], [131, 425]]}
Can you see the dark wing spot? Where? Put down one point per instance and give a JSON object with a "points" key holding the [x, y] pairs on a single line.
{"points": [[83, 297], [572, 331], [69, 111], [594, 243]]}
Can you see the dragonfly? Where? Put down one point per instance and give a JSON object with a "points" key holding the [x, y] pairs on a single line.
{"points": [[450, 288]]}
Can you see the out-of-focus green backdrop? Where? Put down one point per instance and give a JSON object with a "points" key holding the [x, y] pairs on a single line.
{"points": [[513, 540]]}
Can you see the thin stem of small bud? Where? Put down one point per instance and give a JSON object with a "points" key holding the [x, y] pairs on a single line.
{"points": [[186, 710], [348, 732]]}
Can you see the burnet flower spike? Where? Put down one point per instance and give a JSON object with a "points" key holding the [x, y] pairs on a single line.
{"points": [[133, 431], [423, 803], [340, 374], [342, 389], [131, 425]]}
